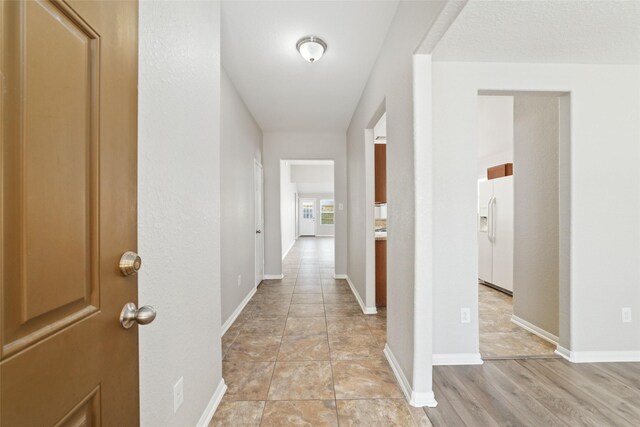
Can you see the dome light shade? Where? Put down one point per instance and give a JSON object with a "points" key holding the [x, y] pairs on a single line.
{"points": [[311, 48]]}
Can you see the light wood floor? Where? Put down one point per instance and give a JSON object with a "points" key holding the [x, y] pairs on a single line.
{"points": [[499, 336], [302, 353], [537, 392]]}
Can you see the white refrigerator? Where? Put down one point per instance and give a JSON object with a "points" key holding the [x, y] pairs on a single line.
{"points": [[495, 232]]}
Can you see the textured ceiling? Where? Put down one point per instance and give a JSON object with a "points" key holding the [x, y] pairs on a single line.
{"points": [[283, 91], [557, 31]]}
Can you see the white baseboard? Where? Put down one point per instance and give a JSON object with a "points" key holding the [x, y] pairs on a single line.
{"points": [[340, 276], [415, 399], [288, 250], [598, 356], [215, 400], [563, 352], [237, 311], [365, 309], [457, 359], [273, 276], [535, 330]]}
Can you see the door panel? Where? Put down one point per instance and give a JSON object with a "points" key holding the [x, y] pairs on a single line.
{"points": [[307, 217], [68, 150], [54, 172]]}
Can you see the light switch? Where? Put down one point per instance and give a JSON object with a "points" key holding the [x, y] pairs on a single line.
{"points": [[340, 207]]}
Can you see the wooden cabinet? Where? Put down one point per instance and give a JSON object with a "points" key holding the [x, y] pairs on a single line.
{"points": [[381, 273], [500, 171], [380, 171]]}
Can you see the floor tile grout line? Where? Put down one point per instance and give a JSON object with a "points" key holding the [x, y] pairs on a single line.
{"points": [[275, 364], [333, 380]]}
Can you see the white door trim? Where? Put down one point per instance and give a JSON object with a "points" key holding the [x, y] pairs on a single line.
{"points": [[256, 251], [370, 217]]}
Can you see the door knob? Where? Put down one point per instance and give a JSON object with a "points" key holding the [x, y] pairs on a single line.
{"points": [[142, 316], [130, 263]]}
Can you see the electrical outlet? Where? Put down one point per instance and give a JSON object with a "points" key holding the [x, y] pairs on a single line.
{"points": [[626, 315], [178, 394], [239, 279], [465, 315]]}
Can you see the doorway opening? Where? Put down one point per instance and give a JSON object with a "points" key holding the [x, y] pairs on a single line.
{"points": [[523, 218], [380, 210], [376, 219], [307, 201]]}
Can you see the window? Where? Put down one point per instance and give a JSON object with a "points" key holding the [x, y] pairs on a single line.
{"points": [[307, 210], [326, 212]]}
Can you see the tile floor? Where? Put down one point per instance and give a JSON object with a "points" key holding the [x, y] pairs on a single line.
{"points": [[302, 353], [499, 337]]}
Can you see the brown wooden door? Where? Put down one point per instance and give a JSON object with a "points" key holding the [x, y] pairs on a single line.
{"points": [[68, 203]]}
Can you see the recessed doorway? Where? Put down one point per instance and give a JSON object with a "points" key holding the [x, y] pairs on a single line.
{"points": [[307, 200], [520, 211]]}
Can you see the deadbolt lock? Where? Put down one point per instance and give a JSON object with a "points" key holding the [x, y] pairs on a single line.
{"points": [[130, 263]]}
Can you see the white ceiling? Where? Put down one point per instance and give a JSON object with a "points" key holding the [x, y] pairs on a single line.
{"points": [[282, 90], [544, 31]]}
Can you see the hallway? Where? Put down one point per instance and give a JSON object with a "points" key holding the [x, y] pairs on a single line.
{"points": [[302, 352]]}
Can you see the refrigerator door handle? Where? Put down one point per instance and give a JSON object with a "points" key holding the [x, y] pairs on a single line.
{"points": [[491, 220]]}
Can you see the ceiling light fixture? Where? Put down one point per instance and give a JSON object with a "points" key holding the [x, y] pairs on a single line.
{"points": [[311, 48]]}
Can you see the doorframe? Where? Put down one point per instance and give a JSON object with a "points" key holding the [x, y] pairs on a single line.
{"points": [[315, 214], [565, 102], [338, 165], [370, 209], [255, 241]]}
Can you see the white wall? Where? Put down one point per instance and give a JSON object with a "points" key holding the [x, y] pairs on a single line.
{"points": [[312, 173], [313, 178], [390, 87], [604, 241], [179, 208], [495, 132], [288, 194], [302, 146], [241, 145], [321, 230], [536, 211]]}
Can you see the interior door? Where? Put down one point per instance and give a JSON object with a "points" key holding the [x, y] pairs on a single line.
{"points": [[307, 217], [259, 220], [68, 120], [503, 233]]}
